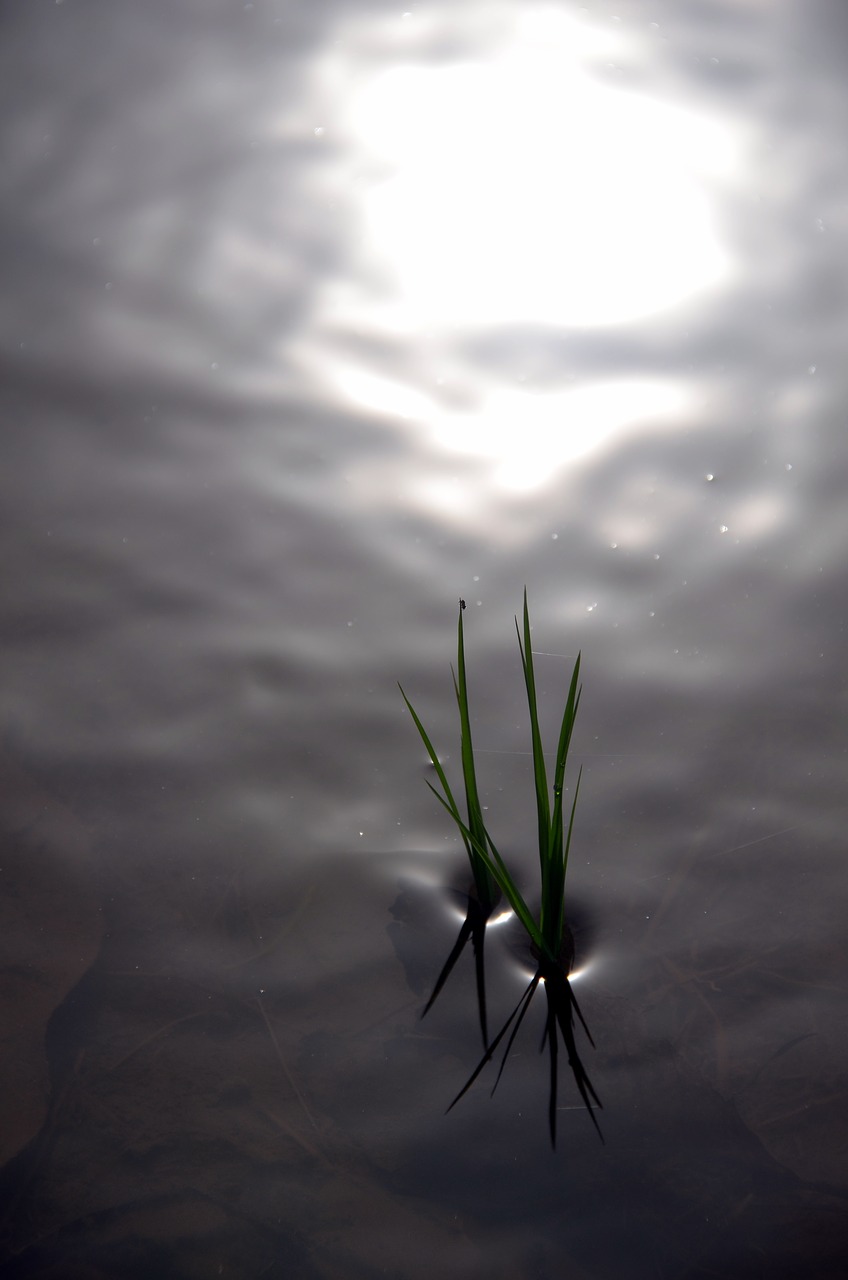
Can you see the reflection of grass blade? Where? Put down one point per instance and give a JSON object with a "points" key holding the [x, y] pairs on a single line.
{"points": [[527, 997], [458, 948], [551, 1030], [562, 1002], [523, 1005], [576, 1007], [473, 928]]}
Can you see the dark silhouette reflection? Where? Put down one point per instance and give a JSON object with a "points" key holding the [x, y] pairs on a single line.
{"points": [[481, 904], [561, 1007]]}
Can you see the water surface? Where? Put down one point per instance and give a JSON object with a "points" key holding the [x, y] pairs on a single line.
{"points": [[312, 322]]}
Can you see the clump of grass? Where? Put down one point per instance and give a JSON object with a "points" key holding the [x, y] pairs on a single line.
{"points": [[548, 933], [484, 894]]}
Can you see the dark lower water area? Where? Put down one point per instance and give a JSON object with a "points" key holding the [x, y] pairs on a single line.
{"points": [[219, 1073], [313, 321]]}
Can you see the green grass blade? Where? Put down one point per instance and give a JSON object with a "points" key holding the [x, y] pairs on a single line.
{"points": [[567, 727], [571, 825], [476, 823], [497, 868], [539, 772], [448, 799], [555, 920]]}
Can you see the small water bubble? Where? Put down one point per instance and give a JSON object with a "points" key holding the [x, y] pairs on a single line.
{"points": [[722, 528], [318, 131], [108, 284], [613, 546], [554, 537], [656, 555], [214, 364], [652, 614], [787, 466], [811, 368], [476, 577], [709, 477]]}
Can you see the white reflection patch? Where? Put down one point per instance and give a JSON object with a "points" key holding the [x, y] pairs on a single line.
{"points": [[527, 436], [531, 436], [522, 187], [521, 190]]}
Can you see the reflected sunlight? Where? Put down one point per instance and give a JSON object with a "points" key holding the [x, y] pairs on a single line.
{"points": [[526, 187], [527, 436], [523, 187], [530, 436]]}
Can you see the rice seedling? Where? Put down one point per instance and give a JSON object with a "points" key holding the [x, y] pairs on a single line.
{"points": [[484, 893], [548, 933]]}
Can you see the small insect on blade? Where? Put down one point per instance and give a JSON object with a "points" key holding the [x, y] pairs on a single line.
{"points": [[461, 603]]}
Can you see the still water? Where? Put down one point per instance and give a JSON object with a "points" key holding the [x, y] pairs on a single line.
{"points": [[314, 319]]}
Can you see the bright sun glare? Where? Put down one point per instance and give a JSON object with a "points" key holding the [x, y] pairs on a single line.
{"points": [[524, 188]]}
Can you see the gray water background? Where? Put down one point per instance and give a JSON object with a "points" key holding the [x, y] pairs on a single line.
{"points": [[221, 551]]}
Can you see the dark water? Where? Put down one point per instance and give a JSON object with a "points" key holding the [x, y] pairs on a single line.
{"points": [[313, 319]]}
